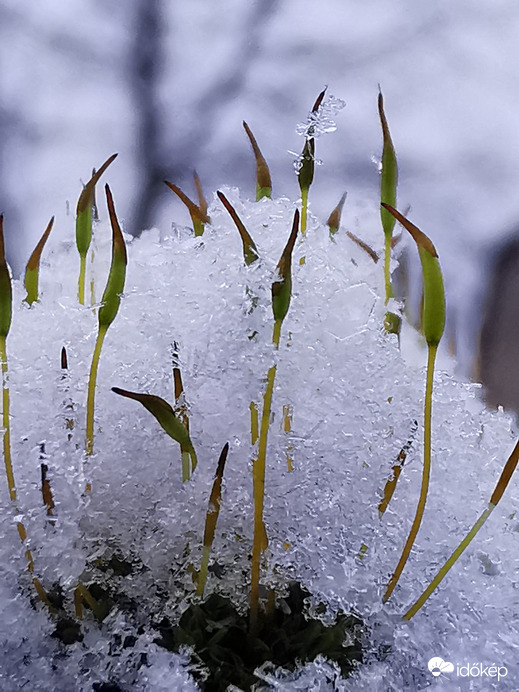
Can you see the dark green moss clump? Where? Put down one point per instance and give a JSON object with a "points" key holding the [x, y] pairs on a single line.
{"points": [[220, 637]]}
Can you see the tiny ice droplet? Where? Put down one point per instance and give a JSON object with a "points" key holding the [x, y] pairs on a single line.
{"points": [[377, 161]]}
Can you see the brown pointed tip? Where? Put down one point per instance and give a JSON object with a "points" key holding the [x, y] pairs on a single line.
{"points": [[420, 238], [111, 211], [222, 460], [193, 208], [64, 359], [319, 100], [287, 252], [85, 197], [2, 246], [334, 220], [123, 392]]}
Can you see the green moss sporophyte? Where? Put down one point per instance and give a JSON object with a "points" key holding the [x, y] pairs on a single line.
{"points": [[433, 327]]}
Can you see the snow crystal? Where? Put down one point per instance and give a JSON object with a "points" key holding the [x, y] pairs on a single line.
{"points": [[321, 121]]}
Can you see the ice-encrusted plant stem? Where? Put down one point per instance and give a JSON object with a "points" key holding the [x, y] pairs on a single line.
{"points": [[84, 208], [281, 294], [305, 174], [500, 488], [433, 327], [107, 312]]}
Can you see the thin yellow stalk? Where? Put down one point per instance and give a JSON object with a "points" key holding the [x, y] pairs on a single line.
{"points": [[387, 268], [92, 283], [432, 350], [448, 565], [6, 423], [287, 427], [82, 279], [304, 209], [89, 440], [260, 541], [281, 295], [500, 488], [11, 484]]}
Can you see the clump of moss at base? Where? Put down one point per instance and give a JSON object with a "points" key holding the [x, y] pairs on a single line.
{"points": [[287, 637]]}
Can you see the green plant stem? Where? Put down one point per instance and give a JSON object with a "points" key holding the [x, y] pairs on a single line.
{"points": [[449, 564], [259, 541], [6, 424], [92, 284], [387, 268], [186, 464], [89, 441], [304, 208], [82, 279], [425, 476]]}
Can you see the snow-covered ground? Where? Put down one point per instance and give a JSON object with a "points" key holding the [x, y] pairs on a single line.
{"points": [[356, 403]]}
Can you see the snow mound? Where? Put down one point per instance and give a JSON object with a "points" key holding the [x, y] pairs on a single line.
{"points": [[355, 404]]}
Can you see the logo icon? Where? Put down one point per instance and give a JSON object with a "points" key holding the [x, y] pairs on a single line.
{"points": [[438, 666]]}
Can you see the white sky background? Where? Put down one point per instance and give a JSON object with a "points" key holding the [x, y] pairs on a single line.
{"points": [[448, 70]]}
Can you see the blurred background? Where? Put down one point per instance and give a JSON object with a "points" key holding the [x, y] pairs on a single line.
{"points": [[167, 85]]}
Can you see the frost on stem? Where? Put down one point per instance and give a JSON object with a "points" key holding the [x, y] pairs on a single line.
{"points": [[321, 121]]}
